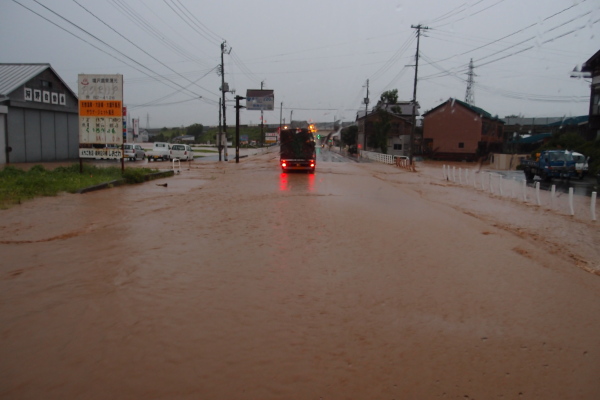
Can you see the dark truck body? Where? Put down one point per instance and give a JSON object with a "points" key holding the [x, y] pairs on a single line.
{"points": [[550, 164], [297, 150]]}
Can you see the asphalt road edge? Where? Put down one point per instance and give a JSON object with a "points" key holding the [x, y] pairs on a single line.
{"points": [[119, 182]]}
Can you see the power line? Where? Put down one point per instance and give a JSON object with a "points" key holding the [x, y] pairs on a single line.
{"points": [[392, 60], [149, 28], [515, 33], [111, 47], [190, 22], [199, 23], [156, 101], [139, 48]]}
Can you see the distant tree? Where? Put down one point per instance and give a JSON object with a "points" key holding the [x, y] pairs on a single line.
{"points": [[378, 139], [349, 135], [159, 138], [195, 130], [389, 97]]}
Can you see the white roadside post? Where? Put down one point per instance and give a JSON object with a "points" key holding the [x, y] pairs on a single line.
{"points": [[593, 206], [571, 201]]}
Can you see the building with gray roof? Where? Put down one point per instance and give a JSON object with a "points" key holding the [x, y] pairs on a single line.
{"points": [[38, 115]]}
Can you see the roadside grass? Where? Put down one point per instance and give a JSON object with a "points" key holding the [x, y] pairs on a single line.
{"points": [[204, 151], [17, 185]]}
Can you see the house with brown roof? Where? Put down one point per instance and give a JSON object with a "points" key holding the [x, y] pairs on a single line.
{"points": [[592, 66], [455, 130]]}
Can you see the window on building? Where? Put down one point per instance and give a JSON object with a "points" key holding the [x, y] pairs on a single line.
{"points": [[397, 146], [461, 145], [46, 84]]}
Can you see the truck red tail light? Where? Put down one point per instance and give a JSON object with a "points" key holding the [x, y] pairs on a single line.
{"points": [[283, 163]]}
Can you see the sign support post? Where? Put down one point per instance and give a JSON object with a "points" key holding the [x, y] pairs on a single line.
{"points": [[237, 127]]}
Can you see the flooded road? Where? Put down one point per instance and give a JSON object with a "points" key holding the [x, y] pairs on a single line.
{"points": [[236, 281]]}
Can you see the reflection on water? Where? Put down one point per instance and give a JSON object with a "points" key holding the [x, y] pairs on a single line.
{"points": [[300, 181]]}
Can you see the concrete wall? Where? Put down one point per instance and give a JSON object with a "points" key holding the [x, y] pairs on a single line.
{"points": [[505, 162]]}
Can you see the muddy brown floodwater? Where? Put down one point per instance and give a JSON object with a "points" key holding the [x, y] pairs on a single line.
{"points": [[362, 281]]}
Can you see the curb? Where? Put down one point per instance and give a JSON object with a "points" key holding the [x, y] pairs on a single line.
{"points": [[120, 182]]}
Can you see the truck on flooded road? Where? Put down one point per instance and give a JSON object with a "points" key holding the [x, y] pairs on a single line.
{"points": [[297, 149], [160, 151], [549, 164]]}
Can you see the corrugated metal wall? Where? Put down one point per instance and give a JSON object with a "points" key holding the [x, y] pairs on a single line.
{"points": [[40, 135], [2, 137]]}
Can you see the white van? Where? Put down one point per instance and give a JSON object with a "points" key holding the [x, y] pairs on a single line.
{"points": [[581, 164], [183, 152]]}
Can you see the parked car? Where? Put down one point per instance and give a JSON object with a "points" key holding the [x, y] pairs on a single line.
{"points": [[183, 152], [160, 151], [134, 152]]}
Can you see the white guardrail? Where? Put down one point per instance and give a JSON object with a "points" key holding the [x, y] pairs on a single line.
{"points": [[382, 158], [496, 184], [516, 188]]}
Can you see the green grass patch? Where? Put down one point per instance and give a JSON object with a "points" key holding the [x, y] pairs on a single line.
{"points": [[17, 185]]}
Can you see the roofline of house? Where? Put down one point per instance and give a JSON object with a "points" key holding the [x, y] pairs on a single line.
{"points": [[24, 81], [476, 110], [587, 66], [407, 119]]}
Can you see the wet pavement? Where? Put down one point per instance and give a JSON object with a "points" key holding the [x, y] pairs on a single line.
{"points": [[238, 281]]}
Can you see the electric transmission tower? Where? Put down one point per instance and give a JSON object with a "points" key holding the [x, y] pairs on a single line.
{"points": [[470, 94]]}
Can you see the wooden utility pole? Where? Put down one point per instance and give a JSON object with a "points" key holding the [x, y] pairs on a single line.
{"points": [[365, 121], [220, 133], [414, 112], [224, 90]]}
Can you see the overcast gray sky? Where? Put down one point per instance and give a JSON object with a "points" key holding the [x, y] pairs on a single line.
{"points": [[315, 54]]}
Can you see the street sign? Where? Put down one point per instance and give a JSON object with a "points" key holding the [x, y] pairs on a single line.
{"points": [[257, 99], [100, 109]]}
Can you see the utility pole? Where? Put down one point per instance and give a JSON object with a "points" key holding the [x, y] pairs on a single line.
{"points": [[262, 124], [414, 116], [220, 134], [224, 89], [291, 113], [237, 127], [470, 94], [365, 123], [280, 114]]}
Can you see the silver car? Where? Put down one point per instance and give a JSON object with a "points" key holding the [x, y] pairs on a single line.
{"points": [[134, 152]]}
